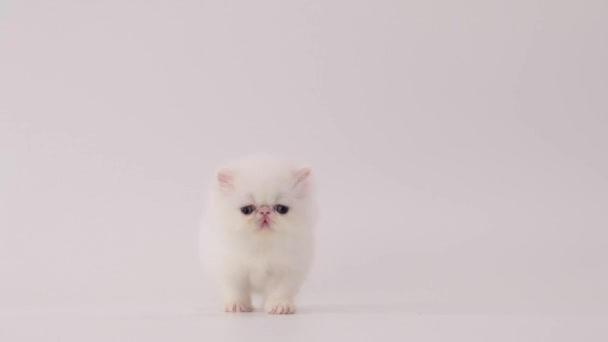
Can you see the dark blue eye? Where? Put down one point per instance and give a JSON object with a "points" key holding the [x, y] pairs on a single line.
{"points": [[281, 209], [248, 209]]}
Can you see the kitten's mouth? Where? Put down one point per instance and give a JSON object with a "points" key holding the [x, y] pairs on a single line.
{"points": [[264, 224]]}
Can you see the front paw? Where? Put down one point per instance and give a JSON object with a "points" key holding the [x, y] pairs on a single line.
{"points": [[237, 306], [280, 307]]}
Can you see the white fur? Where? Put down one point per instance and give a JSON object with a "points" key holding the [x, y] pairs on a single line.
{"points": [[244, 257]]}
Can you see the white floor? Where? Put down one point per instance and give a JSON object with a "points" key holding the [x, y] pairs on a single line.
{"points": [[382, 322]]}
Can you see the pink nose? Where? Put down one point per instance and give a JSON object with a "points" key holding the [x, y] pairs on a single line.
{"points": [[264, 211]]}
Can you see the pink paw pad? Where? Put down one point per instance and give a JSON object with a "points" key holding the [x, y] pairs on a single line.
{"points": [[281, 309], [237, 307]]}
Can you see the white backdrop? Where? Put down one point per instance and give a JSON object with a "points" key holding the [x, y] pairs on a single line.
{"points": [[460, 148]]}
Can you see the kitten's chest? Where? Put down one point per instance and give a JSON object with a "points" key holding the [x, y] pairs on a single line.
{"points": [[260, 275], [261, 269]]}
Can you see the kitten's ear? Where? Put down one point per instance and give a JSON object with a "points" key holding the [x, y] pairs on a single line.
{"points": [[301, 177], [225, 178]]}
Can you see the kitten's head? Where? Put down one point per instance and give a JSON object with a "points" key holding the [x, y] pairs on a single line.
{"points": [[263, 195]]}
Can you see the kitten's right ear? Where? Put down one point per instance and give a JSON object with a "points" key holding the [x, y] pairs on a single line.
{"points": [[225, 179]]}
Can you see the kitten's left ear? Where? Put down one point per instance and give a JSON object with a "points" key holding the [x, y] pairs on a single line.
{"points": [[302, 174], [301, 177]]}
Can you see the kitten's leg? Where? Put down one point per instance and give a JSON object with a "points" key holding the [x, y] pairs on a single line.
{"points": [[237, 294], [279, 295]]}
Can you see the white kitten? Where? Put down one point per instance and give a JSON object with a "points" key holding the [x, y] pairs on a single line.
{"points": [[257, 233]]}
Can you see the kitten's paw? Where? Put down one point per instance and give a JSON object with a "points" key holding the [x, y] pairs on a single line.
{"points": [[238, 307], [280, 307]]}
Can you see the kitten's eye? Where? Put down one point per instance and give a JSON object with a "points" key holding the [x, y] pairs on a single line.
{"points": [[248, 209], [281, 209]]}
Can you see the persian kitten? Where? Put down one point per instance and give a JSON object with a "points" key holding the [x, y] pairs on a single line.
{"points": [[256, 235]]}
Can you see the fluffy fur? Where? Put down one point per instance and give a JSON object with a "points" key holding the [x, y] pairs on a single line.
{"points": [[264, 251]]}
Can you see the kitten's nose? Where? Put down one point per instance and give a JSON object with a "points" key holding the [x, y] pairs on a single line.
{"points": [[264, 210]]}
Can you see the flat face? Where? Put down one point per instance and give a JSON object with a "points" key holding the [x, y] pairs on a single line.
{"points": [[264, 195]]}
